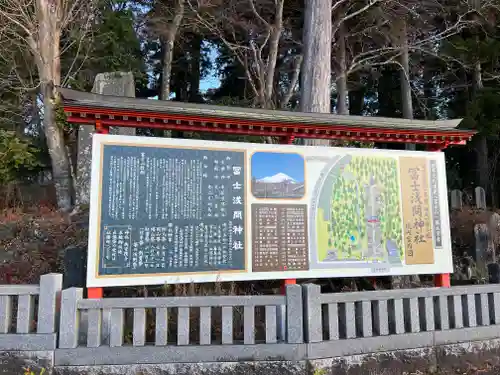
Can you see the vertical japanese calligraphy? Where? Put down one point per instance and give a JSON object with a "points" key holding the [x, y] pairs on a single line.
{"points": [[116, 246], [417, 223], [279, 234], [436, 205], [172, 210]]}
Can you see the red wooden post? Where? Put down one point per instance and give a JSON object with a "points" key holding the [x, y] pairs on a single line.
{"points": [[95, 293], [287, 282], [443, 279], [100, 128]]}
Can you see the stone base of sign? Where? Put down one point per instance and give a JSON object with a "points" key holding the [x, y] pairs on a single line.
{"points": [[116, 84], [464, 358], [223, 368]]}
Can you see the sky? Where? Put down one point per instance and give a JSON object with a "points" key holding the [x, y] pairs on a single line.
{"points": [[212, 81], [267, 164]]}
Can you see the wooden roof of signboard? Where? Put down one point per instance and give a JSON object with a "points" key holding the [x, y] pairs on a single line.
{"points": [[106, 110]]}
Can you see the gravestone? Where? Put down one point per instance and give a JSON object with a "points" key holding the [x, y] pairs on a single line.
{"points": [[75, 267], [456, 200], [480, 196], [484, 250], [494, 273], [116, 84], [494, 227], [494, 267]]}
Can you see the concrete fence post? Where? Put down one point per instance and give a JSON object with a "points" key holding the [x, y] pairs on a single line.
{"points": [[294, 314], [312, 313], [48, 302], [5, 313], [70, 318]]}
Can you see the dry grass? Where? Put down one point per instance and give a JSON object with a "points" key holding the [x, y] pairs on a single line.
{"points": [[31, 241]]}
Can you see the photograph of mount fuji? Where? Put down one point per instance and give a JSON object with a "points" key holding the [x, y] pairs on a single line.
{"points": [[277, 175]]}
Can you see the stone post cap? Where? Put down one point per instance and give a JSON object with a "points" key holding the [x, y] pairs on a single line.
{"points": [[115, 83]]}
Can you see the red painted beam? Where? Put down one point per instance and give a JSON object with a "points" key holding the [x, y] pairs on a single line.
{"points": [[268, 131], [287, 140], [104, 114]]}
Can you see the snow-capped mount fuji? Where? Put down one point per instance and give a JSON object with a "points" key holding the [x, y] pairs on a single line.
{"points": [[278, 178]]}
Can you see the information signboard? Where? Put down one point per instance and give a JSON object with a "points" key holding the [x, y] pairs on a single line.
{"points": [[174, 210]]}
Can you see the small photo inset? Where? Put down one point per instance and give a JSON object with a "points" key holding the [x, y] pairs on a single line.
{"points": [[278, 175]]}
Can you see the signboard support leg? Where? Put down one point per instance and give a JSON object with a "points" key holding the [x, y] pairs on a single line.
{"points": [[440, 280], [98, 292], [95, 293]]}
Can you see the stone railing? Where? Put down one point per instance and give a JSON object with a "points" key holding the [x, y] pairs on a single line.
{"points": [[178, 329], [22, 325], [231, 329], [342, 324]]}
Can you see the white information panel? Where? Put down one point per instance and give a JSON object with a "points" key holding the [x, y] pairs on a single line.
{"points": [[177, 211]]}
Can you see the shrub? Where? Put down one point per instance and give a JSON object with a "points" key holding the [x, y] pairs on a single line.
{"points": [[18, 157]]}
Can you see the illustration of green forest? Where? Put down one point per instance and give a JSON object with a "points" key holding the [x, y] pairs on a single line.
{"points": [[344, 235]]}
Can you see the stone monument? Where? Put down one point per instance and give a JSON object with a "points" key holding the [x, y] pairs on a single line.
{"points": [[456, 200], [483, 253], [480, 196], [115, 84]]}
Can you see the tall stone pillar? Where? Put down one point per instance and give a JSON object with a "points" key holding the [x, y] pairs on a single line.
{"points": [[115, 84]]}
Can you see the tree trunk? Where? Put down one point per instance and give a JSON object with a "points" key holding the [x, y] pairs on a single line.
{"points": [[166, 69], [342, 73], [356, 95], [50, 75], [406, 97], [168, 42], [194, 65], [481, 146], [274, 39], [429, 89], [316, 69], [388, 89], [294, 79], [481, 141]]}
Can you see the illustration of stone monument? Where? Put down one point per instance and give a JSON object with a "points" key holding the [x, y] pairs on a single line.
{"points": [[375, 248]]}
